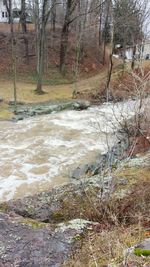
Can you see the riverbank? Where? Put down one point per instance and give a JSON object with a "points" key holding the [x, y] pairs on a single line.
{"points": [[113, 203], [42, 151], [30, 110], [79, 224], [122, 87], [53, 93]]}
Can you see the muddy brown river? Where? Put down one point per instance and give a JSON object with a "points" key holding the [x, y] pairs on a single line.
{"points": [[40, 153]]}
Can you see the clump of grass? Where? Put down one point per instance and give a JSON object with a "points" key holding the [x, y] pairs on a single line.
{"points": [[107, 247], [122, 225]]}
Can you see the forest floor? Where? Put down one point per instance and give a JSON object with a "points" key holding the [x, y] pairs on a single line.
{"points": [[92, 74], [91, 88], [26, 94]]}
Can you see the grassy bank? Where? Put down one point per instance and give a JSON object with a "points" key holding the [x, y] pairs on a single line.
{"points": [[125, 221]]}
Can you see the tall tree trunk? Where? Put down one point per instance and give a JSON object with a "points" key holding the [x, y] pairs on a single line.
{"points": [[13, 47], [23, 16], [53, 15], [40, 33], [40, 65], [109, 75], [110, 68], [70, 6], [100, 28], [133, 57], [8, 4], [124, 55], [78, 49], [37, 30], [84, 9], [24, 29], [108, 2], [63, 47]]}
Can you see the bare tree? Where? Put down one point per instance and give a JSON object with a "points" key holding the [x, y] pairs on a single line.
{"points": [[70, 8], [41, 14], [8, 4], [106, 29], [110, 68], [13, 47], [23, 16], [53, 14], [23, 22]]}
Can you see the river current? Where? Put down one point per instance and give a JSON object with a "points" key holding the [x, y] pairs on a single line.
{"points": [[40, 153]]}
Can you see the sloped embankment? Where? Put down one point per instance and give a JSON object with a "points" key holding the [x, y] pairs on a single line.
{"points": [[30, 229]]}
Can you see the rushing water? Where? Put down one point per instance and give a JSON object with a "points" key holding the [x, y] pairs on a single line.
{"points": [[39, 153]]}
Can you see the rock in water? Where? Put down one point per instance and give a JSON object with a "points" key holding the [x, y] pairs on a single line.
{"points": [[81, 105]]}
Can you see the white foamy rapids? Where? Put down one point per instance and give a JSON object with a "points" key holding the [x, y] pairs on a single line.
{"points": [[39, 153]]}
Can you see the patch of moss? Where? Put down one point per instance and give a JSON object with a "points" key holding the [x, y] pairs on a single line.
{"points": [[77, 237], [33, 223], [141, 252]]}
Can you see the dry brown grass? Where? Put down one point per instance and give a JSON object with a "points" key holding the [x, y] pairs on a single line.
{"points": [[109, 247], [128, 223], [85, 88], [26, 94], [25, 91]]}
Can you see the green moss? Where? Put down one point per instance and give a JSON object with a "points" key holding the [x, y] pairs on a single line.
{"points": [[33, 223], [141, 252]]}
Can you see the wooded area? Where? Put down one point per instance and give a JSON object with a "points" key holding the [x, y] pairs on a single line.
{"points": [[75, 133], [99, 25]]}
